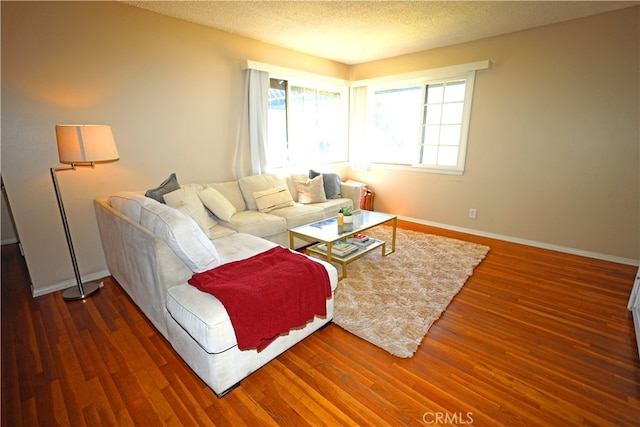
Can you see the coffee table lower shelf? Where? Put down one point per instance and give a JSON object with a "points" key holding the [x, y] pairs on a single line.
{"points": [[344, 260]]}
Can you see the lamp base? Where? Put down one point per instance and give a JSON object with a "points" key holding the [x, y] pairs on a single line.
{"points": [[73, 294]]}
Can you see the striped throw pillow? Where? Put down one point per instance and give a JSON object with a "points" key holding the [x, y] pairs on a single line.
{"points": [[273, 198]]}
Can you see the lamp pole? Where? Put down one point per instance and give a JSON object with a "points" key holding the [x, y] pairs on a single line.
{"points": [[83, 290]]}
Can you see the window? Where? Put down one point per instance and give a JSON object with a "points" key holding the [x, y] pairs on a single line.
{"points": [[416, 120], [395, 125], [419, 123], [306, 124], [442, 124]]}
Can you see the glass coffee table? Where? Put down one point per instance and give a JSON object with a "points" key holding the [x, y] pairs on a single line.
{"points": [[327, 233]]}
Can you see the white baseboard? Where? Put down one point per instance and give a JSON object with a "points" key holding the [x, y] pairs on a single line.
{"points": [[542, 245], [68, 283], [9, 241]]}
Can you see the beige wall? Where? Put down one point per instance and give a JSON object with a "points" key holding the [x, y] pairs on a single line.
{"points": [[553, 142], [553, 149], [171, 91]]}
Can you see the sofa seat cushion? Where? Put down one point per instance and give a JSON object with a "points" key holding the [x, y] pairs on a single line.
{"points": [[257, 223], [220, 231], [331, 207], [201, 314], [300, 214]]}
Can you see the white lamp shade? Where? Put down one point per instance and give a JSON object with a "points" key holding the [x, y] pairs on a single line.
{"points": [[85, 143]]}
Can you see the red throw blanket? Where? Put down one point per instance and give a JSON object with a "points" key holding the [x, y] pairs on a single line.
{"points": [[268, 294]]}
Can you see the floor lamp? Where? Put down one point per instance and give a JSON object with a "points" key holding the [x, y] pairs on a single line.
{"points": [[81, 145]]}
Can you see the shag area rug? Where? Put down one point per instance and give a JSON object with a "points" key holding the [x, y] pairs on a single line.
{"points": [[392, 301]]}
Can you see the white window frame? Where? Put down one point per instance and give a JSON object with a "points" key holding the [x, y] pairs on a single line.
{"points": [[464, 130], [424, 78]]}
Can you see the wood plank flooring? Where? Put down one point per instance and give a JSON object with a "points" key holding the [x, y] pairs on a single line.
{"points": [[535, 338]]}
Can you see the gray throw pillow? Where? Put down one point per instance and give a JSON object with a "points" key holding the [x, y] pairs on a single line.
{"points": [[170, 184], [332, 183]]}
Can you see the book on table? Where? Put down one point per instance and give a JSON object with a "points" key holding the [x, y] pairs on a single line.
{"points": [[343, 248], [339, 248], [361, 240]]}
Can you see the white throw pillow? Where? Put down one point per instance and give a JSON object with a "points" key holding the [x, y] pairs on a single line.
{"points": [[311, 191], [253, 183], [231, 191], [292, 180], [186, 200], [217, 203], [273, 198], [182, 235]]}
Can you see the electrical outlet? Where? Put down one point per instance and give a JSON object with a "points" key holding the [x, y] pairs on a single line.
{"points": [[473, 212]]}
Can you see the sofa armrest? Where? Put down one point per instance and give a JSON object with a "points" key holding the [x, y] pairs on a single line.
{"points": [[140, 261], [353, 191]]}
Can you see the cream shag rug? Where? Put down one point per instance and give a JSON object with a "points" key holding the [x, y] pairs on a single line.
{"points": [[392, 301]]}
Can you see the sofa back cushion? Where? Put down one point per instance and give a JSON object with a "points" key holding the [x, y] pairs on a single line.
{"points": [[255, 184], [177, 230], [130, 204], [182, 235]]}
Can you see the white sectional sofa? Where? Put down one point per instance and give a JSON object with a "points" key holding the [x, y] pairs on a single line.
{"points": [[153, 249], [275, 224]]}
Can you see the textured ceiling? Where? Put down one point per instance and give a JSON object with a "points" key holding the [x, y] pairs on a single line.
{"points": [[353, 32]]}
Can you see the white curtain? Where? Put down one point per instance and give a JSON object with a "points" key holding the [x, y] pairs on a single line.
{"points": [[258, 111], [241, 137], [359, 152], [253, 121]]}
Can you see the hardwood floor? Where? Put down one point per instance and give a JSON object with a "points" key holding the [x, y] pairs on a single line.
{"points": [[535, 337]]}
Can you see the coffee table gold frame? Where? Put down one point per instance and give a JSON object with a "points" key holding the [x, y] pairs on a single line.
{"points": [[328, 232]]}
